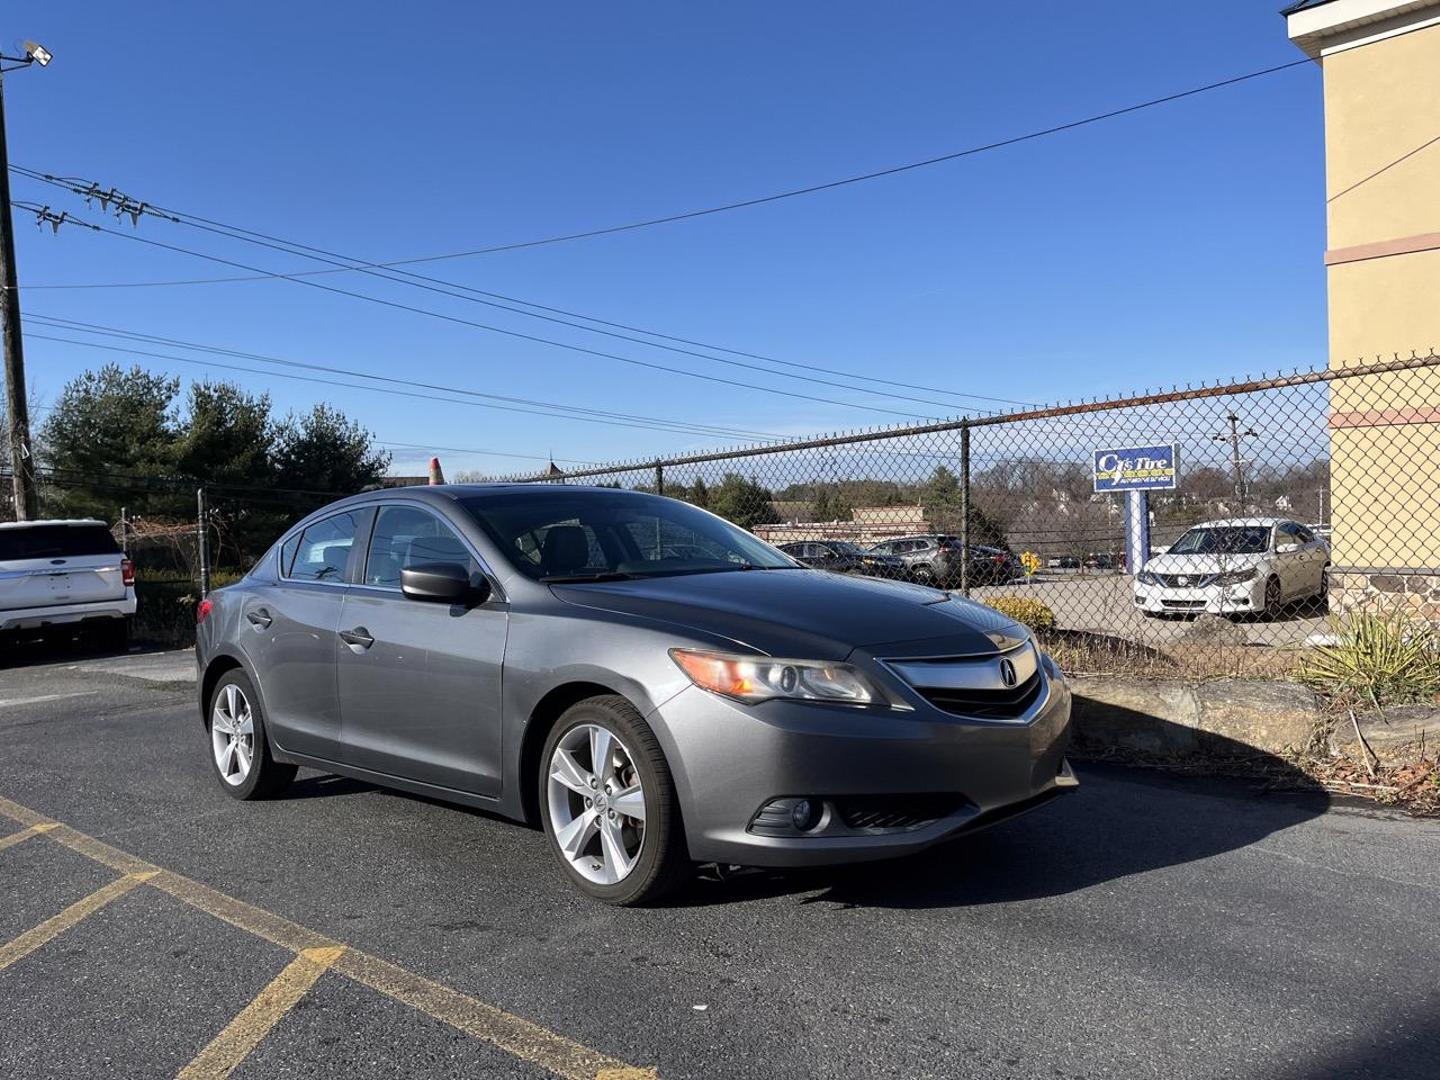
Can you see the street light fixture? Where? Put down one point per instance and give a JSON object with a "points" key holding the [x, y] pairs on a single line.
{"points": [[38, 53]]}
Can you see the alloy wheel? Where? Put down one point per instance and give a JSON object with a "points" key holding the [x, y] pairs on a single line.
{"points": [[596, 803], [232, 734]]}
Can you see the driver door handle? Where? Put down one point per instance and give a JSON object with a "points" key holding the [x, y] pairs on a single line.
{"points": [[359, 636]]}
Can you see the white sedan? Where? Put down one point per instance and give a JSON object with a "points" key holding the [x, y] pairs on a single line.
{"points": [[1233, 567]]}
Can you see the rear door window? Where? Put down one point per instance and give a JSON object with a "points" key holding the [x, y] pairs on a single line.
{"points": [[323, 549], [56, 542]]}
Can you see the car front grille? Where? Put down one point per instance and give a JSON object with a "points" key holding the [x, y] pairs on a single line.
{"points": [[1184, 605], [1186, 581], [1007, 704]]}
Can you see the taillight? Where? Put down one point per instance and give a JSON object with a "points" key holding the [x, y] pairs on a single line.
{"points": [[203, 609], [127, 572]]}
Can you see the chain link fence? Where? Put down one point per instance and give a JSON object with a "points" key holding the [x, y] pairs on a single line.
{"points": [[1297, 500]]}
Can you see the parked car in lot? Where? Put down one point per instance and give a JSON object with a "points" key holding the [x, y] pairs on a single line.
{"points": [[540, 652], [935, 559], [1236, 566], [843, 557], [1101, 560], [65, 575]]}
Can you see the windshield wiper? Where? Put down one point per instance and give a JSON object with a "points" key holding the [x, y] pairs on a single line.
{"points": [[572, 579]]}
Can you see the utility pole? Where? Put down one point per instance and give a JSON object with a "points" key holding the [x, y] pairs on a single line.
{"points": [[1237, 462], [22, 461]]}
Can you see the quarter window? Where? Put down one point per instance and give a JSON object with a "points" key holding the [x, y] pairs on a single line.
{"points": [[323, 549], [408, 536]]}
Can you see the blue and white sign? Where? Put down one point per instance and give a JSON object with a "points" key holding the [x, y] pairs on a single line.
{"points": [[1137, 468]]}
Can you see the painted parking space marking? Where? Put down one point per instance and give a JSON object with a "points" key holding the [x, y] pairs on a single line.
{"points": [[73, 915], [23, 834], [228, 1049], [38, 698], [513, 1034]]}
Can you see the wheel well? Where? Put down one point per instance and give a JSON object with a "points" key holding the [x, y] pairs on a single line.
{"points": [[547, 711], [218, 667]]}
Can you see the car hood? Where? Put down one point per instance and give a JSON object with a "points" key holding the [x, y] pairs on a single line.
{"points": [[1202, 564], [805, 613]]}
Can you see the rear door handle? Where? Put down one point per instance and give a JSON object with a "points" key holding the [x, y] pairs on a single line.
{"points": [[359, 636], [259, 618]]}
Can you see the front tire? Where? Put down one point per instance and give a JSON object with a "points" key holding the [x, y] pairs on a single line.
{"points": [[239, 750], [608, 804], [1272, 598]]}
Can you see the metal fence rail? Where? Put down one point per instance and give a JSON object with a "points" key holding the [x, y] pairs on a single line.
{"points": [[1339, 469]]}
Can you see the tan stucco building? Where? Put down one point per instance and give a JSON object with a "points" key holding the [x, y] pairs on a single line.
{"points": [[1381, 67]]}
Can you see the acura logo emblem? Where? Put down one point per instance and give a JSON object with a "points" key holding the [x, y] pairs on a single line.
{"points": [[1007, 673]]}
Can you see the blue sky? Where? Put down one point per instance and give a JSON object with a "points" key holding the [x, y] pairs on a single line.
{"points": [[1178, 244]]}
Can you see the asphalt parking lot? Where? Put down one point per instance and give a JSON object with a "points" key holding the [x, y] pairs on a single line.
{"points": [[1103, 603], [1148, 926]]}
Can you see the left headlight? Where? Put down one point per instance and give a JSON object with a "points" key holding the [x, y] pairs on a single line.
{"points": [[1235, 577], [753, 679]]}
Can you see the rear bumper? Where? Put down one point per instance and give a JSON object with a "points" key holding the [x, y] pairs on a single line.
{"points": [[61, 614], [730, 760]]}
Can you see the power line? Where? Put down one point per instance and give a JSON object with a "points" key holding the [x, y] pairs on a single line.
{"points": [[99, 330], [459, 291], [501, 330], [877, 174], [357, 386]]}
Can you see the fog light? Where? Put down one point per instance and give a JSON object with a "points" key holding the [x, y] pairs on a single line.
{"points": [[789, 816], [805, 814]]}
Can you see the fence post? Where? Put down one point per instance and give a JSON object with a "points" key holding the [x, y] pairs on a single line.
{"points": [[965, 509], [659, 478], [202, 535]]}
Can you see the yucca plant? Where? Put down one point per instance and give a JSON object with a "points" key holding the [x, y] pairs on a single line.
{"points": [[1378, 660]]}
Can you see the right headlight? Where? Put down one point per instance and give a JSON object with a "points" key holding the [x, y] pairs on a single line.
{"points": [[1145, 577], [753, 679]]}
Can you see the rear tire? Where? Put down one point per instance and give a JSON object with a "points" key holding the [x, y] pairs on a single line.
{"points": [[661, 860], [240, 756]]}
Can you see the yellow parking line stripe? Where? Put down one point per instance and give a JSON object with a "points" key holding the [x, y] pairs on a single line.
{"points": [[520, 1037], [247, 917], [253, 1023], [517, 1036], [24, 834], [53, 927], [15, 812]]}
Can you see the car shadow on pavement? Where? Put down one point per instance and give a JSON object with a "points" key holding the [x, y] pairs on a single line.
{"points": [[1122, 821]]}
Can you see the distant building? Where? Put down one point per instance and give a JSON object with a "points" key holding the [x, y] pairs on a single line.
{"points": [[869, 525]]}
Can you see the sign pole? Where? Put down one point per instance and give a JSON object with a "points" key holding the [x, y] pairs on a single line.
{"points": [[1137, 530]]}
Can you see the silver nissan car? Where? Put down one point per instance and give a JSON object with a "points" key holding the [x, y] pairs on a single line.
{"points": [[650, 684]]}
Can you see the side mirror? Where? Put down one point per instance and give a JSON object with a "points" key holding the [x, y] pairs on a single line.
{"points": [[443, 583]]}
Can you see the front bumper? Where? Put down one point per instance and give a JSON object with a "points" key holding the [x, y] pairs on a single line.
{"points": [[1208, 600], [59, 614], [729, 760]]}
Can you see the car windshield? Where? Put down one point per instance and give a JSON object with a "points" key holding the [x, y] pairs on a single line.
{"points": [[844, 547], [1224, 540], [566, 534]]}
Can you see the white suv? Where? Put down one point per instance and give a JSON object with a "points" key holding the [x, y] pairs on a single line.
{"points": [[1236, 566], [65, 573]]}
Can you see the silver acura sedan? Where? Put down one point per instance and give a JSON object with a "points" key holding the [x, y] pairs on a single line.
{"points": [[650, 684]]}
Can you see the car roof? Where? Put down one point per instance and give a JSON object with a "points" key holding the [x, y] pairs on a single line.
{"points": [[52, 521], [1267, 522]]}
